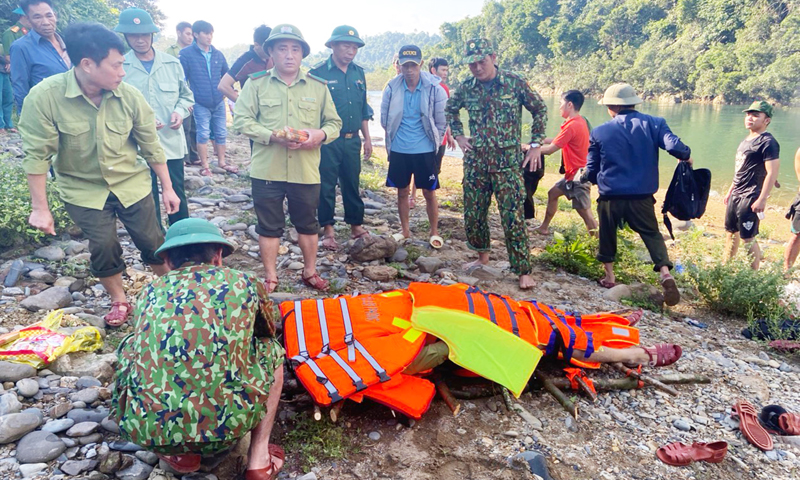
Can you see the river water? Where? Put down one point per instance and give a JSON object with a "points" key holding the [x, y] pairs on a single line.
{"points": [[712, 131]]}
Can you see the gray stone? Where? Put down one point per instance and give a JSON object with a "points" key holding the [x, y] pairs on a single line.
{"points": [[82, 429], [88, 396], [772, 455], [682, 425], [13, 291], [59, 410], [36, 412], [13, 372], [109, 425], [58, 426], [428, 264], [51, 253], [138, 471], [90, 439], [193, 183], [468, 280], [74, 248], [42, 276], [149, 458], [15, 425], [400, 256], [374, 436], [236, 227], [31, 469], [39, 447], [66, 282], [87, 382], [237, 198], [372, 247], [337, 283], [81, 415], [27, 387], [92, 320], [83, 364], [199, 476], [308, 476], [380, 273], [74, 467], [13, 273], [617, 293], [295, 266], [9, 404], [485, 272], [124, 446], [50, 299]]}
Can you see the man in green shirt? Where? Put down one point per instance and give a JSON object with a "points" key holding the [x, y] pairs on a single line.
{"points": [[494, 99], [91, 126], [341, 159], [283, 167], [15, 32], [161, 80], [11, 34], [185, 38]]}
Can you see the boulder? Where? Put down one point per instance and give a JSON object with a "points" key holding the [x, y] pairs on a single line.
{"points": [[50, 299], [372, 247], [39, 446], [51, 253], [82, 364], [380, 273], [138, 471], [617, 293], [14, 372], [429, 264], [484, 272], [9, 404], [15, 425], [43, 276]]}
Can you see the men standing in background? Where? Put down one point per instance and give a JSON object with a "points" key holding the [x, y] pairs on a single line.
{"points": [[623, 162], [39, 54], [160, 78], [757, 166], [412, 115], [341, 159], [250, 62], [287, 168], [793, 246], [492, 156], [185, 38], [204, 67], [10, 35]]}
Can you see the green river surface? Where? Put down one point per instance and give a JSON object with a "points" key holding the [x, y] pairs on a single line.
{"points": [[712, 131]]}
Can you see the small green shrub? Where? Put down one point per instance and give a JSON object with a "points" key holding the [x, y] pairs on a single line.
{"points": [[317, 440], [573, 251], [16, 207]]}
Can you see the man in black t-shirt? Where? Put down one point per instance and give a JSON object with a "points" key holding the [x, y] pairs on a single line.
{"points": [[757, 165]]}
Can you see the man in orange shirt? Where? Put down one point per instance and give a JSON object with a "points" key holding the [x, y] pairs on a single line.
{"points": [[573, 141]]}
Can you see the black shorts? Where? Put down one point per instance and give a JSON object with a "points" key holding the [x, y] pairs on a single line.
{"points": [[794, 214], [268, 203], [740, 218], [437, 166], [421, 165]]}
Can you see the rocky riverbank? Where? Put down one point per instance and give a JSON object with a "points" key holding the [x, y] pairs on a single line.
{"points": [[54, 422]]}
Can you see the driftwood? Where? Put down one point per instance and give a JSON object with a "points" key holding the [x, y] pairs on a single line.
{"points": [[447, 396], [569, 406], [335, 411], [519, 409], [645, 379]]}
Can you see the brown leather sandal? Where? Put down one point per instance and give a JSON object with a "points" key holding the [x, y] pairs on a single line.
{"points": [[316, 282], [271, 472]]}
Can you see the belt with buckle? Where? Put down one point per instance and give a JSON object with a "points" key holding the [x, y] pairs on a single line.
{"points": [[348, 135]]}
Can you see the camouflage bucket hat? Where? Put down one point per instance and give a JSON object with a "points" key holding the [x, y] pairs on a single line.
{"points": [[191, 231], [620, 94], [287, 32], [476, 49], [760, 106], [345, 33]]}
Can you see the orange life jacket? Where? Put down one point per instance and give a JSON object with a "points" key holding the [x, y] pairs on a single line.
{"points": [[355, 345]]}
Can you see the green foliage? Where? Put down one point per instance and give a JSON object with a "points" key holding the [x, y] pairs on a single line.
{"points": [[573, 251], [317, 441], [16, 207]]}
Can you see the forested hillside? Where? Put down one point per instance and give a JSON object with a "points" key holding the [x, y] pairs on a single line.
{"points": [[727, 50], [379, 49]]}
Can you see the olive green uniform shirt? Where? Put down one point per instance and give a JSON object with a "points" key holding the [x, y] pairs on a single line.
{"points": [[267, 103], [165, 89], [349, 92], [93, 149], [12, 34], [174, 50]]}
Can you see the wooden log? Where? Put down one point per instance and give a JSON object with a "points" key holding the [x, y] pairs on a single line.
{"points": [[519, 409], [335, 411], [569, 405], [645, 378], [317, 413], [447, 396]]}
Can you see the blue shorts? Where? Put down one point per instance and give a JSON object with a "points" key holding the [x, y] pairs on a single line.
{"points": [[211, 120]]}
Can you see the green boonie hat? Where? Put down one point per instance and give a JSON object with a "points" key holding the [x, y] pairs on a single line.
{"points": [[18, 11], [345, 33], [135, 20], [285, 31], [620, 94], [191, 231], [476, 49], [760, 106]]}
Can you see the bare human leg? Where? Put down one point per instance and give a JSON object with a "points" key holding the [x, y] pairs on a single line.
{"points": [[258, 456], [791, 252], [403, 210], [269, 256]]}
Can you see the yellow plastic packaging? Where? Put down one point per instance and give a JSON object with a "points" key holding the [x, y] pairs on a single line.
{"points": [[40, 343]]}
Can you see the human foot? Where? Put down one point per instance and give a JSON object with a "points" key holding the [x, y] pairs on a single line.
{"points": [[473, 264], [541, 231], [329, 243], [526, 282]]}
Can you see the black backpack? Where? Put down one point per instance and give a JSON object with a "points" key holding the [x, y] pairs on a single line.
{"points": [[687, 195]]}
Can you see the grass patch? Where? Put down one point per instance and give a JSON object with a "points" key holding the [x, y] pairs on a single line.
{"points": [[414, 252], [317, 441], [247, 217]]}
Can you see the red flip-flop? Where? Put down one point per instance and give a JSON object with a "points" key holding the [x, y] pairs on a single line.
{"points": [[663, 354], [749, 426], [271, 472], [184, 463], [679, 455], [789, 423]]}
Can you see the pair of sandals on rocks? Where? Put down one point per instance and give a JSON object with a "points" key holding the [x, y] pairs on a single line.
{"points": [[191, 462], [755, 427]]}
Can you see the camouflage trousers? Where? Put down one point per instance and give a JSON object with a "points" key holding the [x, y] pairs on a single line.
{"points": [[508, 188]]}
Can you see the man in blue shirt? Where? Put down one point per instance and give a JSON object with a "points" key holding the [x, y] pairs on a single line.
{"points": [[39, 54], [623, 162], [412, 114]]}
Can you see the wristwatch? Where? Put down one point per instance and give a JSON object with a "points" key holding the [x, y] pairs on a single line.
{"points": [[535, 145]]}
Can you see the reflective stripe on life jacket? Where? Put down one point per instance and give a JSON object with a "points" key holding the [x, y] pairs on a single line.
{"points": [[342, 346]]}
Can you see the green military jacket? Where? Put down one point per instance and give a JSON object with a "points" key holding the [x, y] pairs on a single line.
{"points": [[266, 103], [349, 92], [495, 114], [174, 50], [93, 149], [166, 91], [12, 34]]}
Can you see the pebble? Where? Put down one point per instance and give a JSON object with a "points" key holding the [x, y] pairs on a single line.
{"points": [[27, 387], [60, 409], [87, 396], [31, 469], [124, 446], [308, 476], [51, 253], [87, 382], [138, 471], [75, 467], [87, 415], [149, 458], [9, 404], [58, 426], [15, 425], [14, 372], [295, 266], [109, 425], [39, 447], [82, 429], [50, 299], [682, 425], [374, 436]]}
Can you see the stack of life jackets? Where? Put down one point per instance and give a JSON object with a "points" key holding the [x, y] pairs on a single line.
{"points": [[357, 346]]}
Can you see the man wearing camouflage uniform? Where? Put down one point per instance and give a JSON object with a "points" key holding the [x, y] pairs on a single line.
{"points": [[492, 156]]}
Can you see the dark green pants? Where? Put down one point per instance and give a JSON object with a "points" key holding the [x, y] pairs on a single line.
{"points": [[341, 163], [175, 168], [190, 131], [640, 215]]}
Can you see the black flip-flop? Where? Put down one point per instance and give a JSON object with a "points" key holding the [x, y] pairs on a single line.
{"points": [[768, 418]]}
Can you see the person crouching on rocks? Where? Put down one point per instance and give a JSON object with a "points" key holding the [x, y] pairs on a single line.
{"points": [[202, 367]]}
